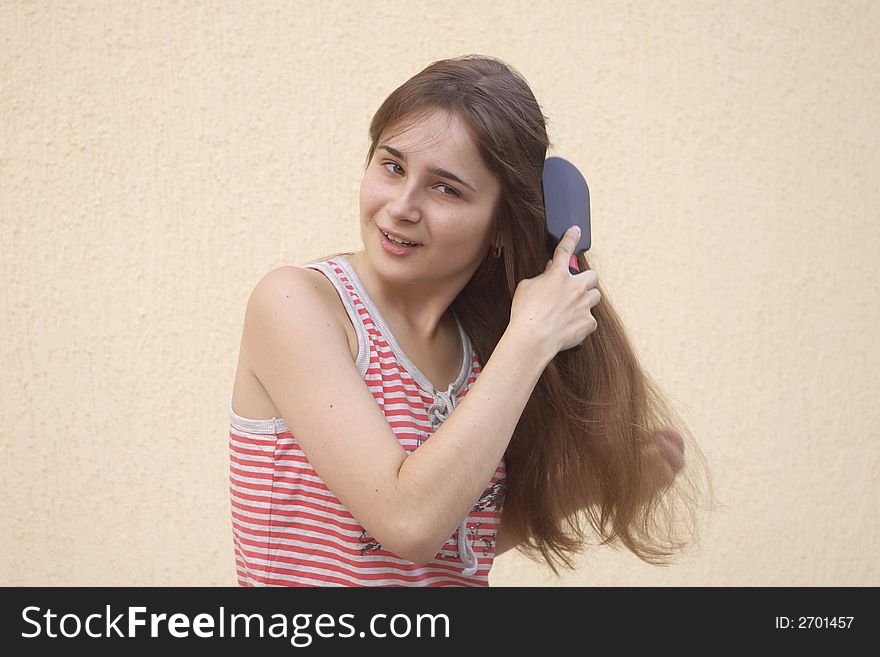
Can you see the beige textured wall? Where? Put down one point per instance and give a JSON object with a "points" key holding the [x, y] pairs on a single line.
{"points": [[157, 158]]}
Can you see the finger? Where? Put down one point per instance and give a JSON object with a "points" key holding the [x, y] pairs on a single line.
{"points": [[565, 248], [591, 278]]}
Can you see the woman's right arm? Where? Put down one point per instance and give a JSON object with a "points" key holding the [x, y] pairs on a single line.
{"points": [[410, 504]]}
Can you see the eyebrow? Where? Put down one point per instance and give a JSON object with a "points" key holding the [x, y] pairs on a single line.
{"points": [[443, 173]]}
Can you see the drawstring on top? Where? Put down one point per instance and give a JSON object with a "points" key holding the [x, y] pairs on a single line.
{"points": [[468, 557], [441, 408]]}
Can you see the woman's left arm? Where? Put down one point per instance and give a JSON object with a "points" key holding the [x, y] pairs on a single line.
{"points": [[663, 460]]}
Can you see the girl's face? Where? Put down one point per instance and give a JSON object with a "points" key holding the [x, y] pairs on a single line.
{"points": [[428, 185]]}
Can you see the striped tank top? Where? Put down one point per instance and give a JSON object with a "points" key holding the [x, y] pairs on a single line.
{"points": [[289, 529]]}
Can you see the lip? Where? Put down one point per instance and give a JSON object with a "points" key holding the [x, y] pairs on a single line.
{"points": [[400, 237], [396, 249]]}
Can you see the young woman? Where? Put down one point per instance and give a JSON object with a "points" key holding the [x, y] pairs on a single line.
{"points": [[403, 414]]}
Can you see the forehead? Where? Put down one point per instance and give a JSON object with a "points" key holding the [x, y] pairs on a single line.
{"points": [[439, 133]]}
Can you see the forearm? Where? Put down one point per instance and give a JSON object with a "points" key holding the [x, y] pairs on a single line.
{"points": [[445, 476], [662, 458]]}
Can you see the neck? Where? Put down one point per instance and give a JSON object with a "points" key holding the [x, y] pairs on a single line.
{"points": [[419, 309]]}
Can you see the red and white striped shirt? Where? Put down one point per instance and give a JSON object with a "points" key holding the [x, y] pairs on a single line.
{"points": [[289, 529]]}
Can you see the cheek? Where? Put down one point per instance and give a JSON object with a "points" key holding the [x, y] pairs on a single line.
{"points": [[370, 194], [464, 239]]}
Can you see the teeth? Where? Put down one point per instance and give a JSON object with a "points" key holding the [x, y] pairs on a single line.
{"points": [[394, 239]]}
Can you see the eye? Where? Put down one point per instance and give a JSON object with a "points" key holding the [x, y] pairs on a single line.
{"points": [[451, 189], [394, 164]]}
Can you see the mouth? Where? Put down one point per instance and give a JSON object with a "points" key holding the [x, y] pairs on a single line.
{"points": [[393, 248], [397, 239]]}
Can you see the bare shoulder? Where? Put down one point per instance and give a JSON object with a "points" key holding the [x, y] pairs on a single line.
{"points": [[284, 280], [304, 280], [297, 349], [286, 296], [286, 304]]}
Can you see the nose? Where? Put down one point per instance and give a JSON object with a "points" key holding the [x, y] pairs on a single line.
{"points": [[405, 203]]}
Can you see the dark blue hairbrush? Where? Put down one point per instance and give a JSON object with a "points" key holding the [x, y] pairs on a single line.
{"points": [[566, 203]]}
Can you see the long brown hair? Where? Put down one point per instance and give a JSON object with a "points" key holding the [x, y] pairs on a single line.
{"points": [[588, 433]]}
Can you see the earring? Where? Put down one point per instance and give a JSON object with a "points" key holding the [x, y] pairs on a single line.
{"points": [[497, 253]]}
